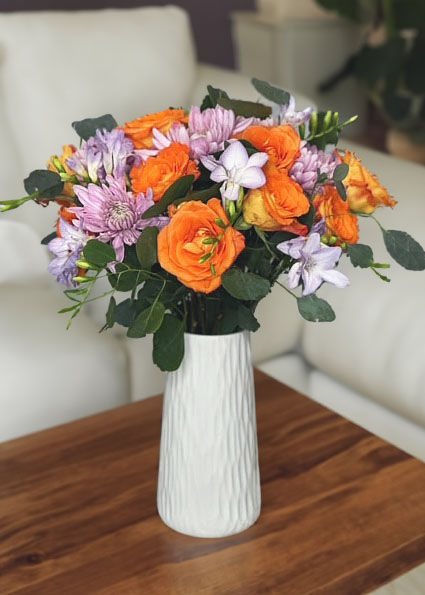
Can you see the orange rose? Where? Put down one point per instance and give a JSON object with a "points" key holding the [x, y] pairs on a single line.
{"points": [[364, 192], [184, 245], [163, 170], [276, 205], [340, 221], [140, 130], [61, 166], [281, 143]]}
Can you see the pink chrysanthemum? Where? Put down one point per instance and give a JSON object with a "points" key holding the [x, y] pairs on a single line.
{"points": [[115, 214]]}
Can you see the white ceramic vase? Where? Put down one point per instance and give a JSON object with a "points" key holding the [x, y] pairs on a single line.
{"points": [[209, 482]]}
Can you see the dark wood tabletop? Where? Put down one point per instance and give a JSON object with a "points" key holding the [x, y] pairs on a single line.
{"points": [[343, 511]]}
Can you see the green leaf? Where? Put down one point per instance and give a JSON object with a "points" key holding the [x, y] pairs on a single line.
{"points": [[246, 319], [88, 127], [177, 190], [168, 343], [202, 195], [341, 172], [110, 318], [270, 92], [48, 238], [213, 96], [47, 183], [341, 190], [315, 309], [147, 248], [246, 109], [404, 249], [126, 280], [360, 255], [281, 236], [148, 321], [98, 253], [245, 286]]}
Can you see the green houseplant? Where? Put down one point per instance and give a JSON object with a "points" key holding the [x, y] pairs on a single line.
{"points": [[389, 64]]}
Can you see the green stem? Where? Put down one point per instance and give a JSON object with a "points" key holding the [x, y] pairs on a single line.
{"points": [[286, 289], [389, 17]]}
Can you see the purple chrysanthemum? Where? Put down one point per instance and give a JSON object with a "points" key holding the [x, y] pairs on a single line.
{"points": [[315, 263], [206, 133], [312, 160], [106, 153], [67, 250], [115, 214]]}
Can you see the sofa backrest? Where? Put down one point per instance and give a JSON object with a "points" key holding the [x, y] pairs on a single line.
{"points": [[57, 67]]}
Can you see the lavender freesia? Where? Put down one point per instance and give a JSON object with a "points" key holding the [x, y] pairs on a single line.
{"points": [[315, 263], [236, 169], [106, 153], [115, 214], [67, 249], [287, 114]]}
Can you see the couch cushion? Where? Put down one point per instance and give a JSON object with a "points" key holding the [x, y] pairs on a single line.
{"points": [[58, 67], [50, 375], [376, 345]]}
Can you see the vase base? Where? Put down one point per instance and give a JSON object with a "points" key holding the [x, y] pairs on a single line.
{"points": [[210, 533]]}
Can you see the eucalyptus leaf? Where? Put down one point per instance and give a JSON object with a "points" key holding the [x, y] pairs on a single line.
{"points": [[168, 343], [110, 318], [48, 238], [247, 109], [360, 255], [47, 183], [147, 248], [404, 249], [245, 286], [341, 172], [210, 100], [315, 309], [341, 190], [270, 92], [177, 190], [148, 321], [87, 128], [98, 253]]}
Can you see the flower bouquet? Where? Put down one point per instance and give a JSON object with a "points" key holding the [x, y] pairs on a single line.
{"points": [[195, 215]]}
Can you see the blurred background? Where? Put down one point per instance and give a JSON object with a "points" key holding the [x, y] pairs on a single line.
{"points": [[66, 60]]}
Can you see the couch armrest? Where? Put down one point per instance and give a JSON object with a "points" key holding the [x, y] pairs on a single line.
{"points": [[238, 85], [21, 256]]}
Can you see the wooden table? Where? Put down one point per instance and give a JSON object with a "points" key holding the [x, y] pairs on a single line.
{"points": [[343, 512]]}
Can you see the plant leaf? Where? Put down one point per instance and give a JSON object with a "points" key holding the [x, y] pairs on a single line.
{"points": [[246, 319], [98, 253], [110, 318], [246, 108], [341, 189], [87, 128], [148, 321], [146, 248], [341, 172], [360, 255], [168, 343], [315, 309], [177, 190], [245, 286], [48, 238], [47, 183], [270, 92], [404, 249]]}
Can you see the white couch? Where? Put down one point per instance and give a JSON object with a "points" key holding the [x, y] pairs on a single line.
{"points": [[58, 67]]}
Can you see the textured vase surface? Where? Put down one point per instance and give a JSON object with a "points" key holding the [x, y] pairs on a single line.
{"points": [[209, 483]]}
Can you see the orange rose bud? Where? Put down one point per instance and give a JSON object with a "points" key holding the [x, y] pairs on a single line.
{"points": [[197, 250], [277, 204], [340, 221], [140, 130], [364, 192], [163, 170], [281, 143], [58, 165]]}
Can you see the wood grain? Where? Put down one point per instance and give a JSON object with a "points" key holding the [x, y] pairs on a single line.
{"points": [[343, 512]]}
